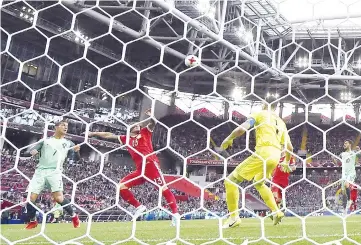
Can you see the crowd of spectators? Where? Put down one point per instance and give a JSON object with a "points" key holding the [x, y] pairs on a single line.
{"points": [[36, 120], [96, 190]]}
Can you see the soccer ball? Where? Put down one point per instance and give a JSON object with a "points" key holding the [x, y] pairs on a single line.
{"points": [[191, 61]]}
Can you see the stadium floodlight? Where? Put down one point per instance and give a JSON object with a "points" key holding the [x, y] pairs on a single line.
{"points": [[79, 37], [345, 96], [276, 95], [245, 34], [249, 36], [238, 93], [27, 13], [302, 62]]}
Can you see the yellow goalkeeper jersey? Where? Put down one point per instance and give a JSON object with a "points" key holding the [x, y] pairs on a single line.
{"points": [[270, 130]]}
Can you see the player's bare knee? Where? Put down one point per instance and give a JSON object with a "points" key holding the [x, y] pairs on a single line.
{"points": [[58, 197], [123, 186]]}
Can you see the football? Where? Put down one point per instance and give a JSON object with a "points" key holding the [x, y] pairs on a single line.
{"points": [[191, 61]]}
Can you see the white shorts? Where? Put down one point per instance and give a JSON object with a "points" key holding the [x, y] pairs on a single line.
{"points": [[46, 178]]}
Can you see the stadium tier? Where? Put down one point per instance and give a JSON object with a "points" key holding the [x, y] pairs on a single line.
{"points": [[180, 122]]}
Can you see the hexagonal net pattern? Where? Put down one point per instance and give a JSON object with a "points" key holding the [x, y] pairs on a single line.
{"points": [[104, 118]]}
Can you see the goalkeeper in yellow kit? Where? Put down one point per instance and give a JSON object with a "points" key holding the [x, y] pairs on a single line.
{"points": [[271, 138]]}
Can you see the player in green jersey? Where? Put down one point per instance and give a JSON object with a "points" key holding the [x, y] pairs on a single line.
{"points": [[52, 153], [348, 160]]}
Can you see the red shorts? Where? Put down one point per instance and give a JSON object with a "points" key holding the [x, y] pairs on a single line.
{"points": [[152, 172]]}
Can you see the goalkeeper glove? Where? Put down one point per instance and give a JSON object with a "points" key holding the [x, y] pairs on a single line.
{"points": [[286, 167]]}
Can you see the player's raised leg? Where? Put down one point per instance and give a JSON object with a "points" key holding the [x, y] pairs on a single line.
{"points": [[277, 194], [268, 198], [129, 181], [54, 179], [153, 172], [272, 157], [65, 203], [347, 203]]}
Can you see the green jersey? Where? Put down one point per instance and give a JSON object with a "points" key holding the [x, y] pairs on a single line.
{"points": [[348, 159], [53, 153]]}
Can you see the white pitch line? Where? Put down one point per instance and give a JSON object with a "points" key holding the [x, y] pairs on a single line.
{"points": [[210, 239]]}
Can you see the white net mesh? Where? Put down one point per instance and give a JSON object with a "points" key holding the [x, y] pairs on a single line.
{"points": [[102, 64]]}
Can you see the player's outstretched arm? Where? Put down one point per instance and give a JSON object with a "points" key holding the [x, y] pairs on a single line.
{"points": [[289, 147], [336, 160], [238, 132], [286, 142], [104, 135], [150, 122], [74, 152]]}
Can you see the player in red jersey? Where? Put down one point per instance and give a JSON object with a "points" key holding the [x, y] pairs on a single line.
{"points": [[141, 140], [353, 197], [280, 179]]}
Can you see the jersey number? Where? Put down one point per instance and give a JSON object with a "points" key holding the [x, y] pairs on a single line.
{"points": [[54, 152], [158, 181], [135, 143]]}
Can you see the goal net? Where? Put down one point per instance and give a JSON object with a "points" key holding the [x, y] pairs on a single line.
{"points": [[102, 64]]}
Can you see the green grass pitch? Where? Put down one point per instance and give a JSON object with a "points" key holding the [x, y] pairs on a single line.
{"points": [[319, 229]]}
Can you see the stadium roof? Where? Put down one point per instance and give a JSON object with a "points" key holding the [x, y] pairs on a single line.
{"points": [[244, 50]]}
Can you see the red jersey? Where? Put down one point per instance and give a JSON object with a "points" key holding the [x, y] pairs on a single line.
{"points": [[279, 177], [143, 144]]}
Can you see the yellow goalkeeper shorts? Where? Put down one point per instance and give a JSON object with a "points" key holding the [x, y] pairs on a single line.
{"points": [[253, 166]]}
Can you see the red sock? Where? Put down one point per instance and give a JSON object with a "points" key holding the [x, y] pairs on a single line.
{"points": [[128, 196], [172, 203]]}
